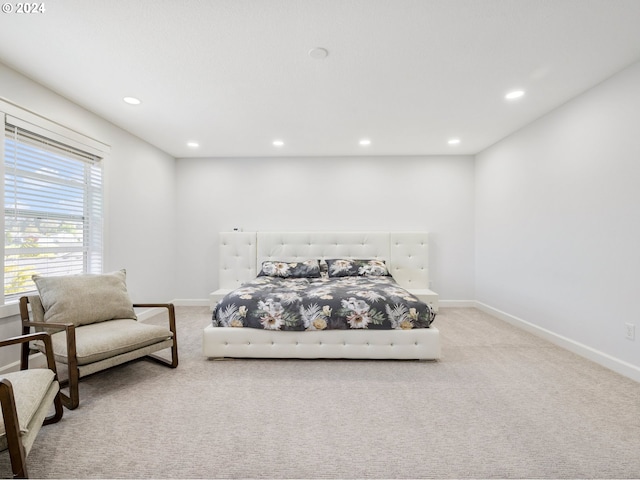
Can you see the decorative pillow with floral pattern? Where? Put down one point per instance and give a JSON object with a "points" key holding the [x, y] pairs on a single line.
{"points": [[306, 269], [341, 267]]}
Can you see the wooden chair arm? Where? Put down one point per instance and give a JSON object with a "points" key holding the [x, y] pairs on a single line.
{"points": [[50, 325], [170, 309], [148, 305], [70, 335], [25, 339]]}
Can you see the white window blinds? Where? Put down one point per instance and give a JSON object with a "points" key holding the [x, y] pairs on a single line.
{"points": [[52, 208]]}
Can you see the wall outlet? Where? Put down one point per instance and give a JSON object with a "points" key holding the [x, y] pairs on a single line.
{"points": [[630, 330]]}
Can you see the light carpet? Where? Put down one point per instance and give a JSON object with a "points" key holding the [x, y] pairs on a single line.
{"points": [[501, 403]]}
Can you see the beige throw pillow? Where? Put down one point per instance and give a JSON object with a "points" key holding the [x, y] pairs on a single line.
{"points": [[84, 299]]}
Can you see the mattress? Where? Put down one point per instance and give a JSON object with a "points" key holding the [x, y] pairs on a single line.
{"points": [[311, 303]]}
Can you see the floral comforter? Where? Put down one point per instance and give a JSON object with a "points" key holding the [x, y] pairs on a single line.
{"points": [[272, 303]]}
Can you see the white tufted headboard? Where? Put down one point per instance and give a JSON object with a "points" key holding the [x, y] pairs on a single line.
{"points": [[406, 254], [237, 257]]}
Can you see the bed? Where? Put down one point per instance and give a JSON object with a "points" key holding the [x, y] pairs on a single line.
{"points": [[249, 261]]}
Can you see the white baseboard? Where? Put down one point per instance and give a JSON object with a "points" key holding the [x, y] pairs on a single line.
{"points": [[191, 302], [601, 358], [457, 303]]}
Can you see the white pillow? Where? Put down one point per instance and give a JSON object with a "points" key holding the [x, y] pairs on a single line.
{"points": [[84, 299]]}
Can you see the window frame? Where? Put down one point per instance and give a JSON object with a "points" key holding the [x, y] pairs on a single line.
{"points": [[32, 122]]}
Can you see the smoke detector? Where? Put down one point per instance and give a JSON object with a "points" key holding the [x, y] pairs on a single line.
{"points": [[318, 53]]}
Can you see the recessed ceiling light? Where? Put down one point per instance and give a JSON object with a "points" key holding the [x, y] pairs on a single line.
{"points": [[278, 143], [514, 94], [193, 144], [453, 141], [365, 141], [318, 53], [132, 100]]}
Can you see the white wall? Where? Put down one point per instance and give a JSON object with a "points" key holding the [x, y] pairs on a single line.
{"points": [[139, 190], [347, 193], [139, 194], [554, 211], [558, 222]]}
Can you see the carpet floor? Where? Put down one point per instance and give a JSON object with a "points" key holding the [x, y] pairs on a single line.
{"points": [[501, 403]]}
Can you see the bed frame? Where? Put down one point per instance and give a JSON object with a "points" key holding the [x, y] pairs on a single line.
{"points": [[242, 253]]}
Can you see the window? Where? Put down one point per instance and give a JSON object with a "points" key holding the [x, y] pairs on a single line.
{"points": [[52, 205]]}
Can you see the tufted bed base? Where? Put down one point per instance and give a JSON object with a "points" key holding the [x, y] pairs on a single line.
{"points": [[406, 253], [421, 344]]}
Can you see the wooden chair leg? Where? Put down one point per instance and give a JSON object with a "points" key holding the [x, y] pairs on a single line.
{"points": [[19, 465], [171, 312], [163, 361], [72, 400], [57, 415], [17, 454], [173, 363], [174, 355]]}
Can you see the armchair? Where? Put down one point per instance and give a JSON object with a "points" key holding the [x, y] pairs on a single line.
{"points": [[93, 326], [26, 397]]}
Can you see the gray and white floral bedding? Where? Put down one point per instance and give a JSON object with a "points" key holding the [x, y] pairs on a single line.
{"points": [[296, 296]]}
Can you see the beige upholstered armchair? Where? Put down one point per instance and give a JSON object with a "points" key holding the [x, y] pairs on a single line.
{"points": [[93, 325], [27, 397]]}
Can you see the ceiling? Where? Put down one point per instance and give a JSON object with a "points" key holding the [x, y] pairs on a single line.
{"points": [[235, 75]]}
